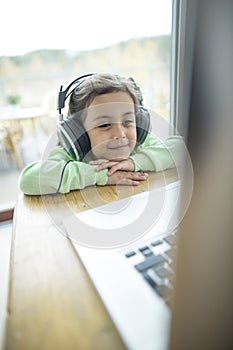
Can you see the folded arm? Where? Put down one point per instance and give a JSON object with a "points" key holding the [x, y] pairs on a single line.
{"points": [[59, 173]]}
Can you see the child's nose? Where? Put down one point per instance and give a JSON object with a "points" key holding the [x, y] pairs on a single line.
{"points": [[119, 131]]}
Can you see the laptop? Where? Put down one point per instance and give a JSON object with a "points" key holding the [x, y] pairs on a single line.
{"points": [[131, 264]]}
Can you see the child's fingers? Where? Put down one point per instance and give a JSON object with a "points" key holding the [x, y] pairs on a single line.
{"points": [[127, 178], [105, 166], [98, 161], [118, 166], [126, 165], [133, 179], [129, 182], [114, 168], [138, 176]]}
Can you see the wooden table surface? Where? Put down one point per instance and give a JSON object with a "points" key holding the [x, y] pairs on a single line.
{"points": [[52, 303]]}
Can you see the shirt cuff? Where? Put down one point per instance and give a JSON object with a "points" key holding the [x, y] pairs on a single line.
{"points": [[142, 162], [102, 177]]}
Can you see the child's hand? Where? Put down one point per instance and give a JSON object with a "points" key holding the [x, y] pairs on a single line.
{"points": [[113, 166], [126, 178]]}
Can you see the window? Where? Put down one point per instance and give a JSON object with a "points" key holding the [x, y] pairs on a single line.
{"points": [[63, 44]]}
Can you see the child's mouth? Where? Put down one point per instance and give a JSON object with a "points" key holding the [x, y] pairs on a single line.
{"points": [[119, 147]]}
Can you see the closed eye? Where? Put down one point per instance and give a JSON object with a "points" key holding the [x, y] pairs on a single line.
{"points": [[104, 125], [128, 122]]}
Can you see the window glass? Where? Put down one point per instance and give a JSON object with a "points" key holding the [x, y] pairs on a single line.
{"points": [[49, 45]]}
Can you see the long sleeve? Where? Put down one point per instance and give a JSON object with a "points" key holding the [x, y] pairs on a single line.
{"points": [[157, 155], [59, 173]]}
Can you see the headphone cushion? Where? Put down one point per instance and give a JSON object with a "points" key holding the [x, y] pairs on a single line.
{"points": [[143, 124], [73, 137]]}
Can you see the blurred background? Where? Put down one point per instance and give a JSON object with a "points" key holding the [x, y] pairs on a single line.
{"points": [[48, 44]]}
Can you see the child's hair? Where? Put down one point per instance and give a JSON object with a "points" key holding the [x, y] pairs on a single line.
{"points": [[98, 84]]}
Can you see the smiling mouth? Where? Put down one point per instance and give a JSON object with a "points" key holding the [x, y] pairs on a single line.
{"points": [[119, 147]]}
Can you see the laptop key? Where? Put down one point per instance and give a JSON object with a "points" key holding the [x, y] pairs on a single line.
{"points": [[157, 280], [170, 240], [159, 286], [129, 254], [145, 251], [162, 272], [171, 253], [149, 262], [155, 243], [164, 291], [149, 280]]}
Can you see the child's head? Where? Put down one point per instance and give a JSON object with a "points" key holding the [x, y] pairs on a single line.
{"points": [[107, 110]]}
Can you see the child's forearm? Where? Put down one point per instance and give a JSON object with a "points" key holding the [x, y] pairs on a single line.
{"points": [[158, 156], [49, 176]]}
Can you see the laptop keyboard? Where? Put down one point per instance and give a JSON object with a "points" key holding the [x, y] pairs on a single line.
{"points": [[154, 260]]}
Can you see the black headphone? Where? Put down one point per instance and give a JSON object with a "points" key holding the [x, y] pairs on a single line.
{"points": [[71, 132]]}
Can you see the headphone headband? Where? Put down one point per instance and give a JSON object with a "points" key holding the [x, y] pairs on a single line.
{"points": [[63, 94]]}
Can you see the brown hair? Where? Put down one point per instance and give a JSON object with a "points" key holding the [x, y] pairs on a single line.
{"points": [[98, 84]]}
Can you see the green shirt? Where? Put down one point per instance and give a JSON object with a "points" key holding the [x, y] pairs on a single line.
{"points": [[59, 172]]}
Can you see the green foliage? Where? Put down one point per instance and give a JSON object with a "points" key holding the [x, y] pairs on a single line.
{"points": [[37, 75], [13, 99], [134, 51]]}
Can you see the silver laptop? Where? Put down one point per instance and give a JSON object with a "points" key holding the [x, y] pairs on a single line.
{"points": [[131, 262]]}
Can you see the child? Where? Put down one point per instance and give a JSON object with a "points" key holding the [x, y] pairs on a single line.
{"points": [[105, 140]]}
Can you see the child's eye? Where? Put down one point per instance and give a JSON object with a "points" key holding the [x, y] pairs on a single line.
{"points": [[128, 122], [104, 126]]}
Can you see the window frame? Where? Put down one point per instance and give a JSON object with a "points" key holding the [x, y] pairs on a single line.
{"points": [[182, 47]]}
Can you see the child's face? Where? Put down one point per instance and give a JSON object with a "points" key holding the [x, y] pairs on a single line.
{"points": [[111, 126]]}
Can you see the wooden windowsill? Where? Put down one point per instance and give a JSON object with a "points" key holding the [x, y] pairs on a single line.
{"points": [[7, 212]]}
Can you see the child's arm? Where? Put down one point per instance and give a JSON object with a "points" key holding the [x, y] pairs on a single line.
{"points": [[152, 155], [156, 155], [59, 173]]}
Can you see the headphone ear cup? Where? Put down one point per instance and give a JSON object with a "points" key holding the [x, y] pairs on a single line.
{"points": [[73, 137], [143, 124]]}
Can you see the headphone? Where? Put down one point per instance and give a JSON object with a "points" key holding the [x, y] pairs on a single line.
{"points": [[71, 132]]}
